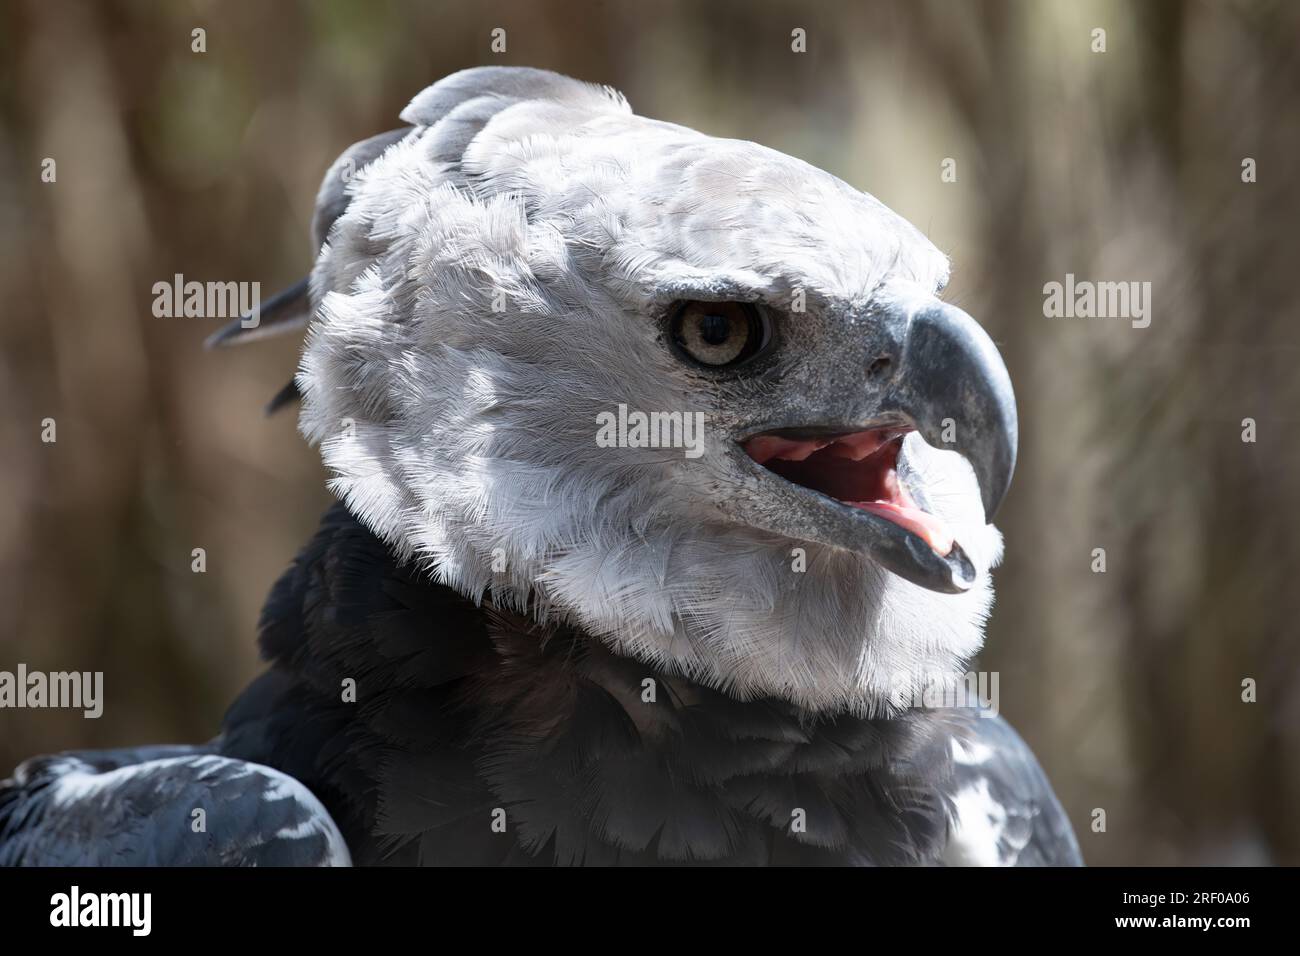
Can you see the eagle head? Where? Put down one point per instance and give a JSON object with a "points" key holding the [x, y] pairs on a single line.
{"points": [[691, 395]]}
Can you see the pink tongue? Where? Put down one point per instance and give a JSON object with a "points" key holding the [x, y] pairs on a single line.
{"points": [[926, 526], [856, 447]]}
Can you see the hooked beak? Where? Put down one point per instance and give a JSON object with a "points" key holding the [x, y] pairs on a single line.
{"points": [[952, 370], [936, 372]]}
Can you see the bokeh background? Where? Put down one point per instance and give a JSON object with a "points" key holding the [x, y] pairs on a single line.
{"points": [[1123, 165]]}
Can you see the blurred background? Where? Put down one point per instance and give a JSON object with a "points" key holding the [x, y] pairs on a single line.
{"points": [[1122, 165]]}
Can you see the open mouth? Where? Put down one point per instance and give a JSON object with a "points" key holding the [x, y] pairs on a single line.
{"points": [[858, 469]]}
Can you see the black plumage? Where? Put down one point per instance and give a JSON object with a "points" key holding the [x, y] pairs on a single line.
{"points": [[463, 710], [475, 736], [160, 806]]}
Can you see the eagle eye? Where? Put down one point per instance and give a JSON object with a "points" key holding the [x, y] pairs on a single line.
{"points": [[718, 334]]}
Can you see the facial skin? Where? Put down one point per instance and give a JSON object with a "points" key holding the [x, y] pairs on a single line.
{"points": [[478, 314]]}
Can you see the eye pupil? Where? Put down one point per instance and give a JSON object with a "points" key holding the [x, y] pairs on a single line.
{"points": [[714, 329], [717, 334]]}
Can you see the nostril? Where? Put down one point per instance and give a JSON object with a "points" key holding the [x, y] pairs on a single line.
{"points": [[880, 368]]}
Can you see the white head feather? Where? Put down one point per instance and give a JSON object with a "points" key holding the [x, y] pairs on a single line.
{"points": [[466, 436]]}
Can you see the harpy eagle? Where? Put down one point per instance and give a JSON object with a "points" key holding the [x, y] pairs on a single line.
{"points": [[511, 643]]}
